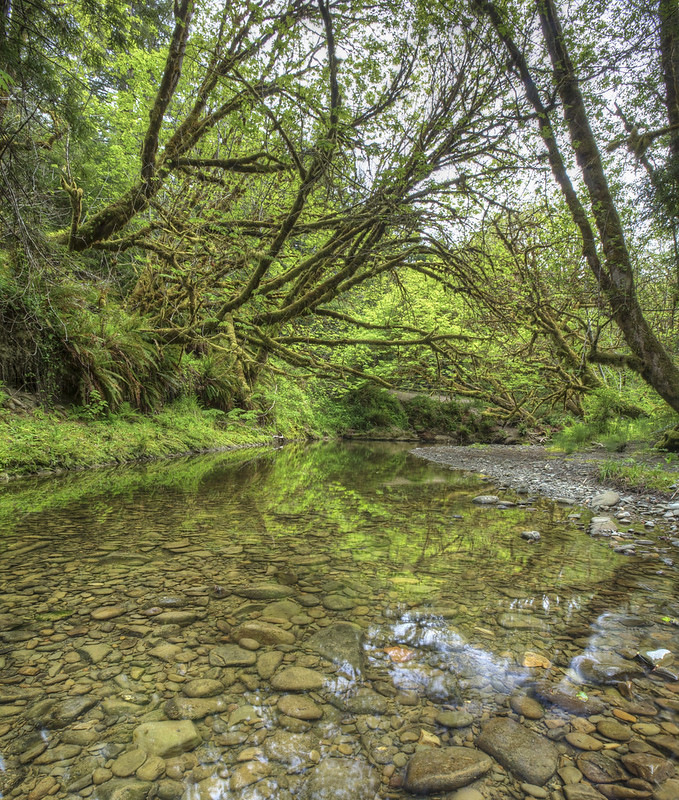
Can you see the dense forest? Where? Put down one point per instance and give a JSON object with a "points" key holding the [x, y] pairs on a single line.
{"points": [[291, 206]]}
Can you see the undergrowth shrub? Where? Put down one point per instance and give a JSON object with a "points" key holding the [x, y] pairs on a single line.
{"points": [[371, 407]]}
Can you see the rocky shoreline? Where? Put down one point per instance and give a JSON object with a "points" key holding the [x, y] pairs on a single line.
{"points": [[533, 470]]}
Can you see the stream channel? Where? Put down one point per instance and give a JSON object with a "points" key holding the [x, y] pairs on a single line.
{"points": [[334, 622]]}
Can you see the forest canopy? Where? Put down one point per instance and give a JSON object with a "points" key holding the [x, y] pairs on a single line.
{"points": [[472, 198]]}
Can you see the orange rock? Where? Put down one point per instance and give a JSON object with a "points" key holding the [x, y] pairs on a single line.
{"points": [[399, 654], [535, 660], [623, 715]]}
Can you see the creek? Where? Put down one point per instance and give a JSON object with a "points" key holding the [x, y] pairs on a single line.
{"points": [[326, 622]]}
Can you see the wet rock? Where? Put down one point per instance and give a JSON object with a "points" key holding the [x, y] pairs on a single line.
{"points": [[297, 679], [526, 706], [529, 755], [341, 779], [231, 655], [583, 741], [614, 791], [151, 769], [522, 622], [166, 739], [264, 633], [600, 768], [365, 701], [486, 500], [202, 687], [121, 789], [60, 753], [107, 612], [210, 788], [193, 708], [666, 744], [176, 617], [248, 773], [166, 652], [244, 713], [668, 791], [300, 707], [338, 602], [434, 769], [128, 763], [606, 499], [52, 714], [268, 663], [443, 689], [581, 791], [264, 591], [650, 767], [454, 719], [341, 643], [570, 699], [94, 653], [612, 729], [531, 536], [607, 670]]}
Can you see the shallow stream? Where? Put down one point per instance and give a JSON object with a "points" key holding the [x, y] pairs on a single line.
{"points": [[302, 624]]}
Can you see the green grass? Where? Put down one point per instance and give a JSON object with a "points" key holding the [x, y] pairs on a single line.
{"points": [[629, 474], [46, 441]]}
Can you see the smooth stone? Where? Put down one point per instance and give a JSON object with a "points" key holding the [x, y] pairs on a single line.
{"points": [[176, 617], [337, 602], [581, 791], [208, 789], [231, 655], [264, 633], [285, 609], [531, 756], [193, 708], [202, 687], [583, 741], [467, 794], [268, 663], [341, 779], [107, 612], [365, 701], [526, 706], [300, 707], [248, 773], [123, 789], [433, 769], [128, 763], [62, 752], [668, 791], [454, 719], [51, 714], [94, 653], [650, 767], [614, 730], [244, 713], [151, 769], [165, 652], [605, 499], [607, 671], [600, 768], [166, 739], [570, 700], [264, 591], [486, 500], [614, 791], [521, 622], [667, 744], [341, 643], [534, 791], [297, 679]]}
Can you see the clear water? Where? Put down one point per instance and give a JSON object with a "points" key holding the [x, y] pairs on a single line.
{"points": [[118, 587]]}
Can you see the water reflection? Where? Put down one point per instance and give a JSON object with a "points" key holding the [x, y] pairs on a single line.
{"points": [[187, 592]]}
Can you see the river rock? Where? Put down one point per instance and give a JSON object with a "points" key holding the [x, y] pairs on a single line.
{"points": [[268, 663], [283, 609], [297, 679], [434, 769], [94, 653], [569, 699], [581, 791], [486, 500], [583, 741], [193, 708], [166, 739], [338, 602], [341, 779], [51, 714], [128, 763], [600, 768], [263, 632], [606, 499], [299, 707], [650, 767], [612, 729], [107, 612], [175, 617], [667, 744], [607, 669], [248, 773], [202, 687], [526, 706], [341, 643], [122, 789], [521, 622], [529, 755], [264, 591], [454, 719], [231, 655]]}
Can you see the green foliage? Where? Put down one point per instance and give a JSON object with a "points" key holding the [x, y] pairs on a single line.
{"points": [[372, 407], [426, 413], [629, 474]]}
